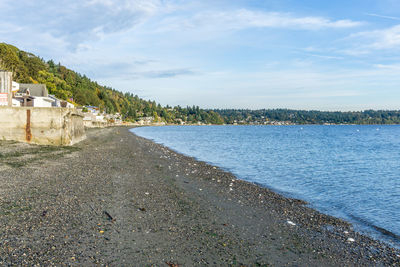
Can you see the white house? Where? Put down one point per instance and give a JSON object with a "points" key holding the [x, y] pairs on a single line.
{"points": [[93, 109], [43, 102], [34, 95]]}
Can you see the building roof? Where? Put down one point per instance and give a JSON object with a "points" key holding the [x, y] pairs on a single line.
{"points": [[34, 89]]}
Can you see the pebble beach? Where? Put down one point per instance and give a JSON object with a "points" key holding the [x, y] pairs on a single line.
{"points": [[117, 199]]}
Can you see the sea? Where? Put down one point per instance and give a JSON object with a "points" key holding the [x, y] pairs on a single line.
{"points": [[347, 171]]}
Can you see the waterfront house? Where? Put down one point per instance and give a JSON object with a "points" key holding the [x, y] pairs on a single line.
{"points": [[94, 120], [145, 120], [34, 95], [93, 109]]}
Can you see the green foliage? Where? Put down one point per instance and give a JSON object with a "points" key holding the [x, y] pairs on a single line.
{"points": [[66, 84]]}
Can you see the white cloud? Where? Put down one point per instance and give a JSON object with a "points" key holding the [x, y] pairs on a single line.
{"points": [[245, 18], [366, 42], [385, 39], [286, 20], [8, 28], [77, 22], [383, 16], [394, 67], [146, 6]]}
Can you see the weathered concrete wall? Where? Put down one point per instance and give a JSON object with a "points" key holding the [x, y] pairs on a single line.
{"points": [[96, 124], [45, 126]]}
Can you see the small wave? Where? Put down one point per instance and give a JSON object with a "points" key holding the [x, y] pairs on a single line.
{"points": [[390, 235]]}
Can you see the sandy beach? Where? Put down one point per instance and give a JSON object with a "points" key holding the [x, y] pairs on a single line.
{"points": [[116, 199]]}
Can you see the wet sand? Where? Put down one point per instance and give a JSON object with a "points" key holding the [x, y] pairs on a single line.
{"points": [[120, 200]]}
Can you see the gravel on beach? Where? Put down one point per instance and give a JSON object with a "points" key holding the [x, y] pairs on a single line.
{"points": [[116, 199]]}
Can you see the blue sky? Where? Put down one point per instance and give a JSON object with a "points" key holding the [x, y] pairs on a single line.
{"points": [[310, 54]]}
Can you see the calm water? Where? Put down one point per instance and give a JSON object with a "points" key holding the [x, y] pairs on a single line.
{"points": [[350, 172]]}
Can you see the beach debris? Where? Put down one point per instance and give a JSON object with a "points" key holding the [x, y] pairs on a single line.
{"points": [[146, 193], [230, 189], [170, 264], [142, 209], [290, 222], [350, 239], [44, 213], [101, 232], [346, 232], [200, 189], [231, 184], [109, 216]]}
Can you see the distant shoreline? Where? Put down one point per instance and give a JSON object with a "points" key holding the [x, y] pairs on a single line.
{"points": [[308, 124]]}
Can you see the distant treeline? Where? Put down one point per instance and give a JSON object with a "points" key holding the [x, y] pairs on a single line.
{"points": [[69, 85], [309, 117]]}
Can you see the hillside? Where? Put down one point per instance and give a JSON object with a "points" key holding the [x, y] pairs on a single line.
{"points": [[67, 84]]}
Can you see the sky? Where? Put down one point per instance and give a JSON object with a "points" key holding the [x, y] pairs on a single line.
{"points": [[308, 54]]}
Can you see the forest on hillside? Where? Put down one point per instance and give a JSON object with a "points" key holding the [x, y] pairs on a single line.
{"points": [[69, 85]]}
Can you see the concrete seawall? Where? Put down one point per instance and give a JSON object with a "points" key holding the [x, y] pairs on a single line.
{"points": [[44, 126]]}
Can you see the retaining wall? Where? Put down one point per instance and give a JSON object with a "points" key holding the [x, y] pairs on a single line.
{"points": [[44, 126]]}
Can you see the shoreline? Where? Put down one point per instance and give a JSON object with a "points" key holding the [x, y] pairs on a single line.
{"points": [[294, 124], [163, 207], [358, 225], [380, 231]]}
